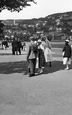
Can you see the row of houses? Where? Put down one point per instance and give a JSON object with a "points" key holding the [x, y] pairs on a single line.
{"points": [[52, 25]]}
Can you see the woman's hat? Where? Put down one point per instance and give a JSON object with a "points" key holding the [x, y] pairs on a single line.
{"points": [[31, 38], [67, 40], [39, 41]]}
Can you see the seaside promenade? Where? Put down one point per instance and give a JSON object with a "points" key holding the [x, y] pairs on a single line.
{"points": [[46, 94]]}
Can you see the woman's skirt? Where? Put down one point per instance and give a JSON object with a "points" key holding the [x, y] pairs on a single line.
{"points": [[66, 60], [48, 55], [40, 62]]}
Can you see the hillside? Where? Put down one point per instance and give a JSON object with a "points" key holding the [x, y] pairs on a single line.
{"points": [[55, 25]]}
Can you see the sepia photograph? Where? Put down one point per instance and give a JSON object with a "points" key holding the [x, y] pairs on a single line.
{"points": [[35, 57]]}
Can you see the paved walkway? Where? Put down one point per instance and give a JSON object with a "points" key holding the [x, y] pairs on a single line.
{"points": [[46, 94], [6, 55]]}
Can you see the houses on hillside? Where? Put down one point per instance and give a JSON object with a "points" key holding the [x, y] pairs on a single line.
{"points": [[56, 24]]}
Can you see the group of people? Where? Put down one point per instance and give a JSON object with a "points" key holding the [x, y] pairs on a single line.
{"points": [[38, 54], [16, 46]]}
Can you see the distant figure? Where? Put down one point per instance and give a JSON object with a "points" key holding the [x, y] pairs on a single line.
{"points": [[4, 44], [14, 47], [66, 53], [48, 52], [24, 44]]}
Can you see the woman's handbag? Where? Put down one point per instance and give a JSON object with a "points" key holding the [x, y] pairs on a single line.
{"points": [[63, 53], [37, 62]]}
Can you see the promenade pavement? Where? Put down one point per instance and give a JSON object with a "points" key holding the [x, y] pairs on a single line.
{"points": [[46, 94]]}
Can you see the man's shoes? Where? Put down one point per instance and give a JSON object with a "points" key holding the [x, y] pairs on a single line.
{"points": [[31, 75]]}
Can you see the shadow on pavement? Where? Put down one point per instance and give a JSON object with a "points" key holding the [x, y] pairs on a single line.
{"points": [[21, 67], [56, 66], [13, 67], [3, 54]]}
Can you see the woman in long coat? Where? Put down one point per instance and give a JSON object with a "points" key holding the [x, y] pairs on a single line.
{"points": [[48, 52], [41, 58]]}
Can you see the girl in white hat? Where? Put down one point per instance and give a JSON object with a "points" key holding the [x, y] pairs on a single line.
{"points": [[66, 53], [41, 58]]}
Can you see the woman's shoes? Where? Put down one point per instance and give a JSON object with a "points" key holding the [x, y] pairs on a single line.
{"points": [[67, 68], [40, 71]]}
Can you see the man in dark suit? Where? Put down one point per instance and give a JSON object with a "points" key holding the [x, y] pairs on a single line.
{"points": [[66, 54], [14, 46], [19, 46], [31, 56], [13, 49]]}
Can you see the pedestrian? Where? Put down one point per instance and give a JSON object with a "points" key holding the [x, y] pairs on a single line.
{"points": [[48, 52], [16, 46], [66, 53], [13, 48], [3, 44], [23, 46], [19, 46], [41, 58], [31, 57]]}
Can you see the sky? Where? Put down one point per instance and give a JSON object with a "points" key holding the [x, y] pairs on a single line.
{"points": [[42, 9]]}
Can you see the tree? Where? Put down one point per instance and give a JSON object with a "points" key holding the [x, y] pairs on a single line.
{"points": [[67, 27], [1, 27], [14, 5]]}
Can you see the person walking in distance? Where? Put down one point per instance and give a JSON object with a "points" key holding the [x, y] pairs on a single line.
{"points": [[48, 52], [66, 53], [41, 58], [13, 46], [19, 46], [16, 46]]}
